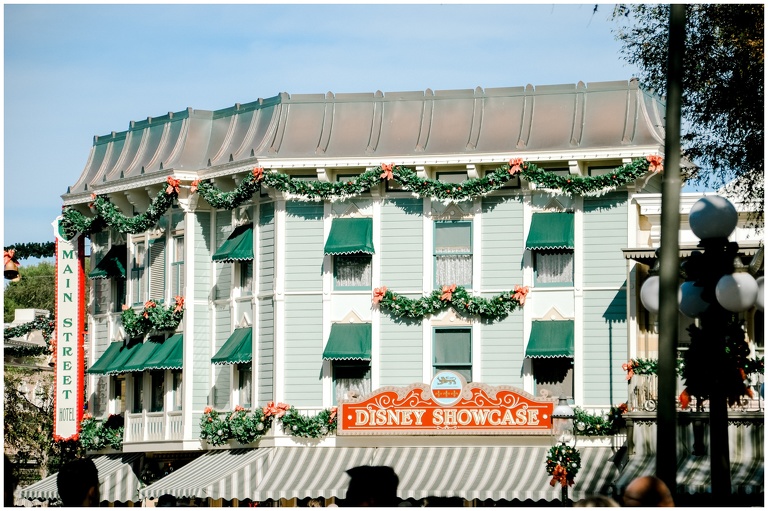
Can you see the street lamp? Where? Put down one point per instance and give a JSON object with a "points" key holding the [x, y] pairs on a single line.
{"points": [[717, 287], [563, 434]]}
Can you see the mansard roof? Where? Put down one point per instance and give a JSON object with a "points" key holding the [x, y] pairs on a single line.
{"points": [[377, 127]]}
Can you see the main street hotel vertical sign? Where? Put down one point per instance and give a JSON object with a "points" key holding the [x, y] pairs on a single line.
{"points": [[69, 335]]}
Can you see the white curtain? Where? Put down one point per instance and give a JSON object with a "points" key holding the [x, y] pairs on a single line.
{"points": [[554, 267], [453, 269], [353, 271]]}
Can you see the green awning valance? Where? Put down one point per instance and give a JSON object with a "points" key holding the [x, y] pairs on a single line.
{"points": [[100, 366], [117, 364], [111, 265], [138, 361], [350, 236], [550, 339], [237, 349], [550, 231], [349, 341], [238, 247], [169, 355]]}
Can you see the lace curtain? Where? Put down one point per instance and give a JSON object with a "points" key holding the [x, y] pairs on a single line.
{"points": [[554, 267], [353, 271], [454, 269]]}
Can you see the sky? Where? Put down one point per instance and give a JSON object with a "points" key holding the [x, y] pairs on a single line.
{"points": [[75, 71]]}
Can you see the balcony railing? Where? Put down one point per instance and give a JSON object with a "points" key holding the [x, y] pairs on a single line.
{"points": [[153, 426]]}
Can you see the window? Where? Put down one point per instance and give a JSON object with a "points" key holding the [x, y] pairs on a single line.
{"points": [[351, 379], [118, 394], [246, 278], [157, 270], [138, 393], [553, 376], [453, 351], [352, 271], [177, 391], [177, 267], [553, 267], [244, 384], [453, 253], [100, 288], [138, 277], [118, 294], [452, 177], [600, 171], [158, 391]]}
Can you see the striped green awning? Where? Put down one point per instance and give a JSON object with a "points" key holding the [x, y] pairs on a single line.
{"points": [[100, 366], [550, 231], [111, 265], [237, 350], [492, 472], [169, 355], [550, 339], [138, 362], [313, 472], [229, 474], [238, 247], [349, 341], [350, 236], [117, 480]]}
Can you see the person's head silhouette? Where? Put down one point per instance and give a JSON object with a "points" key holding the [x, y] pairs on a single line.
{"points": [[372, 486], [78, 483], [648, 491]]}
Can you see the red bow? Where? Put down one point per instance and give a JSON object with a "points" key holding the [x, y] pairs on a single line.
{"points": [[515, 165], [448, 292], [193, 187], [378, 294], [655, 163], [258, 173], [685, 399], [173, 185], [387, 171], [520, 292], [9, 255], [179, 304], [560, 475], [629, 367], [333, 414], [148, 305], [278, 410]]}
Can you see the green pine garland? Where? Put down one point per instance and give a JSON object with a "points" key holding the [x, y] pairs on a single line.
{"points": [[590, 424], [46, 324], [298, 425], [491, 309], [96, 434], [36, 250], [107, 214]]}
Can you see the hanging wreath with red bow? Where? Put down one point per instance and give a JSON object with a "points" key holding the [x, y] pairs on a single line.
{"points": [[563, 463]]}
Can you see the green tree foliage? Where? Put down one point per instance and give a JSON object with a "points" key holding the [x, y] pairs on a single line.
{"points": [[28, 421], [723, 106], [35, 290]]}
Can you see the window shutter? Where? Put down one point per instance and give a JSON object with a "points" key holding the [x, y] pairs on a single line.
{"points": [[157, 270]]}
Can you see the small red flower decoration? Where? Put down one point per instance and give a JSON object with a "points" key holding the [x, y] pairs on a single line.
{"points": [[655, 163]]}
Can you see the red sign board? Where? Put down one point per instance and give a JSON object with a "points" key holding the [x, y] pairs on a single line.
{"points": [[447, 406]]}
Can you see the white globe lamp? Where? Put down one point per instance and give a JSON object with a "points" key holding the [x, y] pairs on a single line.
{"points": [[737, 292], [713, 217], [691, 302]]}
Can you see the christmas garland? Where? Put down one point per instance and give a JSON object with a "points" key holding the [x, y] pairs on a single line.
{"points": [[152, 318], [590, 424], [450, 296], [36, 250], [46, 324], [563, 463], [107, 214], [647, 366], [96, 435], [247, 426]]}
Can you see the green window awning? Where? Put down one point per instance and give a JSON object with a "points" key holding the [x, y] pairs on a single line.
{"points": [[550, 339], [349, 341], [550, 231], [350, 236], [238, 247], [138, 362], [169, 355], [100, 366], [238, 348], [117, 364], [111, 265]]}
